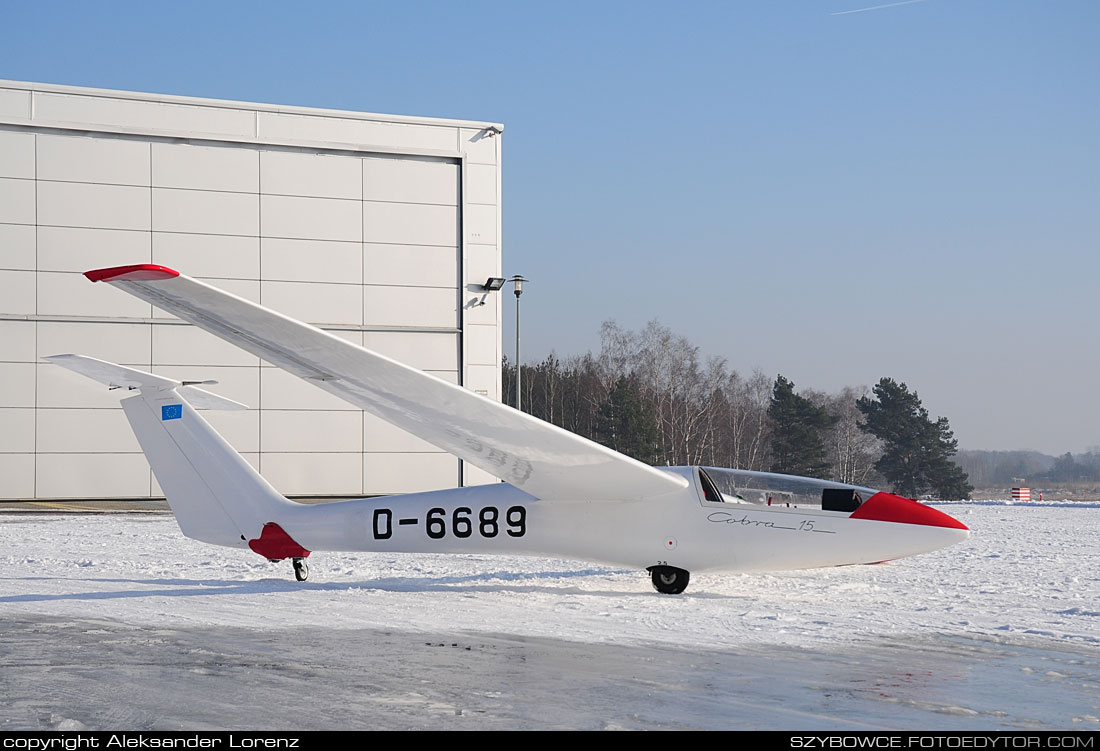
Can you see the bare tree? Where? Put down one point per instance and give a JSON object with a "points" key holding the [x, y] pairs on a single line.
{"points": [[851, 451]]}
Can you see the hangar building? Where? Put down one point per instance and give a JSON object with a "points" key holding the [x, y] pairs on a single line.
{"points": [[379, 228]]}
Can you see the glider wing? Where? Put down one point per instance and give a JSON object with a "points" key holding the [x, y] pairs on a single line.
{"points": [[542, 459]]}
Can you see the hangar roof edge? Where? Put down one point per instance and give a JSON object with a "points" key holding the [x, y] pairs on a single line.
{"points": [[248, 106]]}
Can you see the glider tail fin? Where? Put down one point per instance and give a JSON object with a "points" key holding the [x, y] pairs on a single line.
{"points": [[216, 496]]}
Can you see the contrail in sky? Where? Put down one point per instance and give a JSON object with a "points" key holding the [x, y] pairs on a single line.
{"points": [[875, 7]]}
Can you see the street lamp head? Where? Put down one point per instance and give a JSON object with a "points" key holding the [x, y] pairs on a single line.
{"points": [[493, 283], [517, 281]]}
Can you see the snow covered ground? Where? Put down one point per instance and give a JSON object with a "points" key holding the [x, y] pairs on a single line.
{"points": [[118, 621]]}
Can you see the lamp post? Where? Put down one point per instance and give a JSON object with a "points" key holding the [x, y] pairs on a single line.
{"points": [[517, 282], [495, 284]]}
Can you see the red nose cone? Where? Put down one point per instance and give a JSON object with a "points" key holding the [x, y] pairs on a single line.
{"points": [[885, 507]]}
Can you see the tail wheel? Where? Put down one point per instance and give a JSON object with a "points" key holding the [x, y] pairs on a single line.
{"points": [[669, 580], [301, 570]]}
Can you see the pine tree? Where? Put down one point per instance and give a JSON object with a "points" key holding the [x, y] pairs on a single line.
{"points": [[917, 452], [625, 425], [797, 448]]}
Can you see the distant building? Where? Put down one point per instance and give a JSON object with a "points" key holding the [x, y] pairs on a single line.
{"points": [[378, 228]]}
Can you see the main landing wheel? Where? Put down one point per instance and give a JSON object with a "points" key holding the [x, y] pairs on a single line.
{"points": [[301, 570], [669, 580]]}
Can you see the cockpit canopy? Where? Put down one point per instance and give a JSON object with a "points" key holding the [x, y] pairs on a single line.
{"points": [[768, 488]]}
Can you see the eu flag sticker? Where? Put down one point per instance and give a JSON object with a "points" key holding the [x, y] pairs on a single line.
{"points": [[171, 412]]}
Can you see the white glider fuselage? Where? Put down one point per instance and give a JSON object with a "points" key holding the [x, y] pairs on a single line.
{"points": [[679, 530], [562, 495]]}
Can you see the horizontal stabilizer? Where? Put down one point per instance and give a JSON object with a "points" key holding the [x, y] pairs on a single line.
{"points": [[120, 377]]}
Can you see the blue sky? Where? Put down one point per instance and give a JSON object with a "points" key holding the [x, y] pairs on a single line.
{"points": [[911, 191]]}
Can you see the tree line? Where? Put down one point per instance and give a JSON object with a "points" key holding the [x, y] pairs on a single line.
{"points": [[1007, 468], [652, 395]]}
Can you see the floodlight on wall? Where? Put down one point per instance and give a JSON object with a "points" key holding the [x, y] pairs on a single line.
{"points": [[492, 284]]}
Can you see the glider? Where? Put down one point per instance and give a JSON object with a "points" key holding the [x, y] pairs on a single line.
{"points": [[562, 495]]}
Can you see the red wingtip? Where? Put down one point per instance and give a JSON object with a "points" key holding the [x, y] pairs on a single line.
{"points": [[142, 272], [886, 507]]}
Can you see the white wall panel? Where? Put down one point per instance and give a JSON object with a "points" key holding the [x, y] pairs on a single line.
{"points": [[362, 133], [205, 211], [17, 246], [411, 306], [142, 115], [84, 430], [19, 292], [17, 475], [311, 218], [241, 429], [481, 183], [237, 383], [409, 473], [18, 341], [206, 167], [80, 249], [88, 205], [314, 474], [479, 147], [17, 200], [312, 260], [480, 223], [91, 475], [481, 344], [292, 173], [16, 384], [410, 224], [416, 349], [210, 256], [332, 432], [15, 104], [281, 390], [380, 436], [16, 431], [315, 302], [174, 344], [71, 294], [115, 342], [16, 154], [482, 262], [478, 476], [410, 180], [484, 378], [410, 265], [93, 160]]}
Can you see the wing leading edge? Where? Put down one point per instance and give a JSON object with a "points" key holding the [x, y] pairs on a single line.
{"points": [[542, 459]]}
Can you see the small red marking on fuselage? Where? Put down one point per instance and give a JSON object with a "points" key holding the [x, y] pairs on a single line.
{"points": [[275, 544], [142, 272], [887, 507]]}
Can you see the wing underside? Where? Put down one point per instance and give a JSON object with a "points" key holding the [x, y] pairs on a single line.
{"points": [[542, 459]]}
